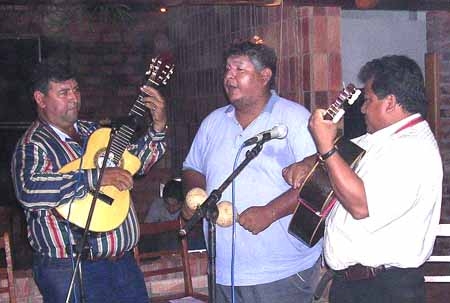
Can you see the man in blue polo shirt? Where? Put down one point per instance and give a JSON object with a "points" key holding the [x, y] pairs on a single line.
{"points": [[269, 265]]}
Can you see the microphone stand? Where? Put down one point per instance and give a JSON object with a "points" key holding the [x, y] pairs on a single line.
{"points": [[210, 211], [80, 246]]}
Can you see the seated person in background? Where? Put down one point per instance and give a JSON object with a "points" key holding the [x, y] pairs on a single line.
{"points": [[168, 208]]}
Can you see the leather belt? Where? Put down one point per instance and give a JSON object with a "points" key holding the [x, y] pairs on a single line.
{"points": [[86, 255], [110, 258], [360, 272]]}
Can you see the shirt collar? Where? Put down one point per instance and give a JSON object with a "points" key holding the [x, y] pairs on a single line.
{"points": [[267, 109], [62, 135]]}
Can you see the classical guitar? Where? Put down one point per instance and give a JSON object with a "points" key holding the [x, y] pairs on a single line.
{"points": [[316, 193], [112, 205]]}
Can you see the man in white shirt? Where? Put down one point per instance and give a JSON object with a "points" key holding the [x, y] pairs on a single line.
{"points": [[384, 225]]}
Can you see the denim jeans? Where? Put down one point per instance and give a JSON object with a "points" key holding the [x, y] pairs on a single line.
{"points": [[119, 281], [298, 288]]}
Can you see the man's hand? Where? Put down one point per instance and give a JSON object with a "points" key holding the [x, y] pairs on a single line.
{"points": [[157, 106], [118, 177], [255, 219], [296, 173], [323, 131]]}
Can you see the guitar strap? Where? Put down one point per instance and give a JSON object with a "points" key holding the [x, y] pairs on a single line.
{"points": [[410, 123]]}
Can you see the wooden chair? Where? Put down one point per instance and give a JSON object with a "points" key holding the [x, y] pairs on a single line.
{"points": [[6, 273], [174, 260], [444, 231]]}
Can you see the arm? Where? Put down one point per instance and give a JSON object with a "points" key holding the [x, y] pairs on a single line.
{"points": [[296, 173], [37, 185], [255, 219], [347, 186]]}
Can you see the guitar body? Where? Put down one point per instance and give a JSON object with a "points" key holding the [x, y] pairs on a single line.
{"points": [[317, 199], [112, 205]]}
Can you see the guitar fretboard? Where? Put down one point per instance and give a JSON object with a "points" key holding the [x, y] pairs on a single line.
{"points": [[158, 74]]}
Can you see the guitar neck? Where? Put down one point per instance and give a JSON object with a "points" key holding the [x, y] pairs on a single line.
{"points": [[336, 109], [122, 138], [158, 74]]}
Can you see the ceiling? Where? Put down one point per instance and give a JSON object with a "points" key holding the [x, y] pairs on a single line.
{"points": [[345, 4]]}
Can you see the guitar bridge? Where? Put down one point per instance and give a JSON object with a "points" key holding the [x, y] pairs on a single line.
{"points": [[105, 198]]}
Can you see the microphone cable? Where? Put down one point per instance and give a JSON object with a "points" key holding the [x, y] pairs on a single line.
{"points": [[233, 234], [90, 130]]}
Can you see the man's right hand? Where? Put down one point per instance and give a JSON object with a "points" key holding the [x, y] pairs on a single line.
{"points": [[118, 177]]}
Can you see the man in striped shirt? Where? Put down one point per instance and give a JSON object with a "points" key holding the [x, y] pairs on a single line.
{"points": [[56, 138]]}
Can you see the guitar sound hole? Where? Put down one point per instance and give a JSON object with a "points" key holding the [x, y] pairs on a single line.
{"points": [[109, 161]]}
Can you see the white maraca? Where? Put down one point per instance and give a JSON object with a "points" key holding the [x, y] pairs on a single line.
{"points": [[195, 197], [225, 217]]}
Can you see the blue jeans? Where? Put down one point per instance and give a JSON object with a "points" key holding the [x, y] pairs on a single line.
{"points": [[298, 288], [119, 281]]}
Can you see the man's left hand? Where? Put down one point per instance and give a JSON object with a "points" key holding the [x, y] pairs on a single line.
{"points": [[255, 219], [157, 106]]}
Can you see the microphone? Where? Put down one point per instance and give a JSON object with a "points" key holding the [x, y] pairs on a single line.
{"points": [[130, 121], [277, 132]]}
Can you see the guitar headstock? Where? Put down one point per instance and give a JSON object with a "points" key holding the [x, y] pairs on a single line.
{"points": [[348, 95], [352, 93], [159, 71]]}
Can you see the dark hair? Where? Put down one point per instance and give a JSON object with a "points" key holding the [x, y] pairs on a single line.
{"points": [[173, 189], [54, 70], [399, 76], [261, 55]]}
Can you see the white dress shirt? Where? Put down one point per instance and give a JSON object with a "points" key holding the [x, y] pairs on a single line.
{"points": [[402, 175]]}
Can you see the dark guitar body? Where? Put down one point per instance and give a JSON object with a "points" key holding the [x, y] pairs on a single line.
{"points": [[308, 222]]}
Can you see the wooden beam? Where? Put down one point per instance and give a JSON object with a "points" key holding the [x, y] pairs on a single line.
{"points": [[366, 4], [432, 75]]}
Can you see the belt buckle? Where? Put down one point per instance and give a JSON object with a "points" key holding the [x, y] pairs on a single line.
{"points": [[360, 272]]}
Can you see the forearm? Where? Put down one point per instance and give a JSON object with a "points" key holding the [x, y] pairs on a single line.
{"points": [[347, 186], [283, 205], [256, 219]]}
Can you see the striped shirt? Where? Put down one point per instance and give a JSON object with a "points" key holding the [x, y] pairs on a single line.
{"points": [[39, 187]]}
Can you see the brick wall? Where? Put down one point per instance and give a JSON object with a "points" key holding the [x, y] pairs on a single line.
{"points": [[306, 39], [111, 56], [438, 41]]}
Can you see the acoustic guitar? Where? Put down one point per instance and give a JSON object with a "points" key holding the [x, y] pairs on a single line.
{"points": [[316, 196], [112, 205]]}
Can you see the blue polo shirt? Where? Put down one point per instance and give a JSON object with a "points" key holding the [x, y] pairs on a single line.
{"points": [[272, 254]]}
